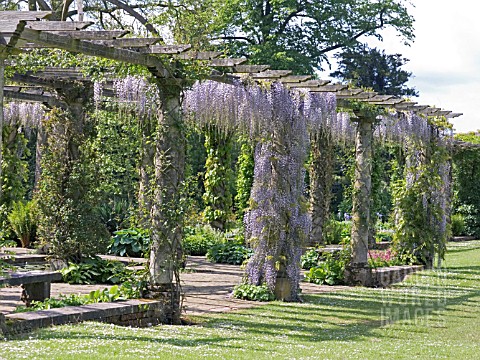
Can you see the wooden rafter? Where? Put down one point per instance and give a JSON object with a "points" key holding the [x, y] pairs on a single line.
{"points": [[309, 84]]}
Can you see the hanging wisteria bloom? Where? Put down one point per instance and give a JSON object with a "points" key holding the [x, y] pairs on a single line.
{"points": [[134, 92], [25, 114]]}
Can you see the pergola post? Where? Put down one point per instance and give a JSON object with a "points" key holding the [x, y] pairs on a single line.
{"points": [[166, 221], [358, 271], [2, 83]]}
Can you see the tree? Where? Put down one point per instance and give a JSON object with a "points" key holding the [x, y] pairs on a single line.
{"points": [[373, 68], [298, 34]]}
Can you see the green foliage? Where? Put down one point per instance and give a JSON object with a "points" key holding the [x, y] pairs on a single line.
{"points": [[218, 180], [458, 225], [114, 214], [336, 231], [115, 293], [230, 252], [371, 68], [245, 167], [199, 239], [417, 231], [471, 219], [329, 272], [132, 242], [253, 292], [67, 195], [309, 259], [95, 270], [14, 174], [23, 220]]}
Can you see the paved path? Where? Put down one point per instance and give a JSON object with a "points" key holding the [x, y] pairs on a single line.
{"points": [[207, 289]]}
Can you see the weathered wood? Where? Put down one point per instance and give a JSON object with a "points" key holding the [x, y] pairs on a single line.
{"points": [[295, 78], [405, 105], [329, 88], [58, 25], [24, 15], [363, 96], [198, 55], [44, 99], [309, 83], [453, 115], [167, 49], [271, 74], [443, 112], [380, 98], [250, 68], [349, 92], [128, 42], [88, 48], [390, 102], [227, 62], [93, 35]]}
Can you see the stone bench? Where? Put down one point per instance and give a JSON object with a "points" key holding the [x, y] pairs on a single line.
{"points": [[35, 284], [385, 276]]}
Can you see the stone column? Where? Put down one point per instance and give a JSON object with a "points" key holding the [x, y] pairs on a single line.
{"points": [[357, 271], [166, 218]]}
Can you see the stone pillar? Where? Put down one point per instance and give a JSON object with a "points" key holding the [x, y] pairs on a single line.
{"points": [[357, 271], [166, 218]]}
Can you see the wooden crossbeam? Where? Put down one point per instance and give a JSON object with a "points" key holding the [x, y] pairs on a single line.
{"points": [[250, 68], [88, 48], [44, 99], [349, 92], [167, 49], [453, 115], [227, 62], [417, 108], [198, 55], [390, 102], [429, 110], [405, 105], [93, 34], [271, 74], [58, 25], [443, 112], [129, 42], [329, 88], [294, 79], [24, 15], [380, 98], [309, 84]]}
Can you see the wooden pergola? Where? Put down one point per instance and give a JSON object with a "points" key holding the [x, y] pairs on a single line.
{"points": [[23, 30]]}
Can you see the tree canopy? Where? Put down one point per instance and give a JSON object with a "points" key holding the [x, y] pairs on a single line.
{"points": [[373, 68]]}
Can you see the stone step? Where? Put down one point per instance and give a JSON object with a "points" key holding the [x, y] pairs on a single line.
{"points": [[139, 312]]}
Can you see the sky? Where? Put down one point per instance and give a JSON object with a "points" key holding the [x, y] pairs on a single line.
{"points": [[445, 57]]}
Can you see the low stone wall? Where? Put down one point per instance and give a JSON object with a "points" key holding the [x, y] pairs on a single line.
{"points": [[383, 277], [137, 313]]}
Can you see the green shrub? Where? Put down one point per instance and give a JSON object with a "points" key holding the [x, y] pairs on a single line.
{"points": [[133, 242], [253, 292], [199, 239], [458, 225], [336, 231], [95, 270], [229, 252], [330, 272], [471, 219], [23, 221], [123, 292], [309, 259], [384, 235]]}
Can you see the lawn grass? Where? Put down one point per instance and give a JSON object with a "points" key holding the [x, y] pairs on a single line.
{"points": [[434, 314]]}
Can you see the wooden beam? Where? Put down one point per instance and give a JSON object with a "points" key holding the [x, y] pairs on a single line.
{"points": [[128, 42], [309, 83], [46, 100], [250, 68], [167, 49], [349, 93], [294, 79], [227, 62], [271, 74], [443, 112], [93, 35], [58, 25], [329, 88], [405, 105], [88, 48], [379, 98], [454, 115], [24, 15], [198, 55], [391, 102]]}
